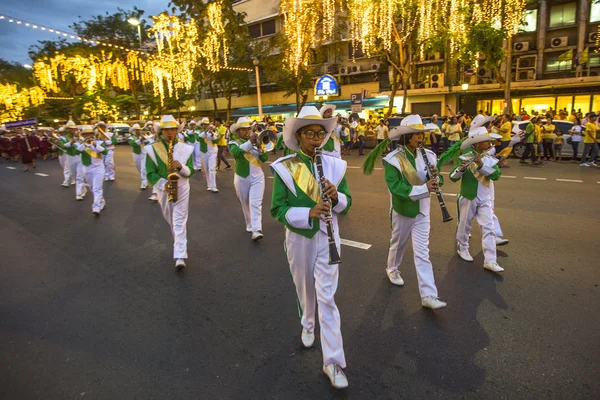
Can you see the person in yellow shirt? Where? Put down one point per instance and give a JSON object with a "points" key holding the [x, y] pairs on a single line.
{"points": [[361, 131], [504, 130], [548, 130], [590, 142], [221, 143], [538, 138], [453, 130]]}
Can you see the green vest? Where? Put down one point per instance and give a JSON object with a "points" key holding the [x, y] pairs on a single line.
{"points": [[281, 146], [86, 158], [400, 189], [137, 149], [469, 185], [156, 171], [71, 151], [242, 165]]}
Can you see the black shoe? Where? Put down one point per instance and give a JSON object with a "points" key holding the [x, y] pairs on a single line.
{"points": [[228, 167]]}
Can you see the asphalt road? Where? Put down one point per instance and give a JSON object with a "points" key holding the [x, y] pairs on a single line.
{"points": [[91, 308]]}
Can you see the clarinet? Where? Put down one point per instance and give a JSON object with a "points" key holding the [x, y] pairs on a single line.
{"points": [[430, 175], [334, 256]]}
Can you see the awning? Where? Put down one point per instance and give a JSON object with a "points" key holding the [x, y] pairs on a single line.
{"points": [[291, 108]]}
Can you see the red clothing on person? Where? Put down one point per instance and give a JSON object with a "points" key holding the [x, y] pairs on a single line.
{"points": [[27, 147], [13, 147], [44, 145]]}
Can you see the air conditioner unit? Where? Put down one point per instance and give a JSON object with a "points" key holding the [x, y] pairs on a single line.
{"points": [[484, 72], [521, 46], [437, 80], [592, 37], [526, 62], [484, 81], [354, 69], [423, 85], [526, 75], [344, 71], [433, 56], [375, 67], [331, 68], [559, 41]]}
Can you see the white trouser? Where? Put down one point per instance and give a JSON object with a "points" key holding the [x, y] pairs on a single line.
{"points": [[209, 166], [109, 164], [176, 215], [497, 229], [64, 163], [402, 230], [94, 174], [77, 171], [250, 193], [197, 164], [316, 280], [482, 210], [140, 163]]}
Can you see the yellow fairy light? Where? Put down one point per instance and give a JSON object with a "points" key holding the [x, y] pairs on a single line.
{"points": [[14, 102], [215, 39]]}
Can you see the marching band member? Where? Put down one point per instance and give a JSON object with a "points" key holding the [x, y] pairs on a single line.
{"points": [[475, 199], [249, 179], [109, 158], [298, 205], [92, 152], [406, 178], [137, 141], [191, 136], [158, 169], [63, 159], [74, 160], [28, 146], [340, 134], [208, 154]]}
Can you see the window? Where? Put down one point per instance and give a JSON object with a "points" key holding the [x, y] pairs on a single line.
{"points": [[529, 23], [553, 64], [595, 11], [594, 59], [261, 29], [355, 53], [563, 15]]}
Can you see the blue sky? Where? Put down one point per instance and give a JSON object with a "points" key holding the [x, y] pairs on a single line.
{"points": [[58, 14]]}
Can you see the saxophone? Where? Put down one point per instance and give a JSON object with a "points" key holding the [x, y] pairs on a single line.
{"points": [[173, 176]]}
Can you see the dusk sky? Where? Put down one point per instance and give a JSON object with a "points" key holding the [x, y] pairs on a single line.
{"points": [[58, 14]]}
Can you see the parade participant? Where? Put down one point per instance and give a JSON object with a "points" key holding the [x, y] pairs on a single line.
{"points": [[221, 143], [476, 174], [28, 146], [168, 158], [110, 139], [92, 151], [249, 179], [208, 154], [74, 160], [281, 145], [137, 141], [191, 136], [298, 204], [59, 147], [44, 145], [340, 134], [4, 141], [410, 189], [13, 147]]}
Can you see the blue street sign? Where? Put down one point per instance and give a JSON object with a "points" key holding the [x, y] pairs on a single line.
{"points": [[21, 123], [327, 86]]}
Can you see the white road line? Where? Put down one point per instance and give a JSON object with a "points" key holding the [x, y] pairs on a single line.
{"points": [[268, 162], [509, 176], [270, 177], [378, 169], [11, 167], [447, 194], [38, 174], [445, 173], [569, 180], [534, 178], [349, 166], [352, 243]]}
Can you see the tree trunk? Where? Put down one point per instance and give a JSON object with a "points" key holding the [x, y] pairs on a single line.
{"points": [[392, 96], [297, 96], [228, 107], [404, 94], [508, 77]]}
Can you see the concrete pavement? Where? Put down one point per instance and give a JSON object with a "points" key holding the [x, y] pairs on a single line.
{"points": [[92, 308]]}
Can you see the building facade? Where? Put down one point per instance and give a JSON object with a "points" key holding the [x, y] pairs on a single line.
{"points": [[545, 74]]}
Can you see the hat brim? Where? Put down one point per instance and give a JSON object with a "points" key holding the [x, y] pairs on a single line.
{"points": [[326, 107], [398, 131], [484, 121], [468, 142], [292, 124]]}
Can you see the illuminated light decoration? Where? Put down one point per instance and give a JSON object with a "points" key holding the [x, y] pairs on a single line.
{"points": [[99, 108], [14, 102], [215, 41]]}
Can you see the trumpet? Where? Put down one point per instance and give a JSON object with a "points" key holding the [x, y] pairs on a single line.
{"points": [[266, 140], [101, 133]]}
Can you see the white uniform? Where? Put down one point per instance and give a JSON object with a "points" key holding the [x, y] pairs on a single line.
{"points": [[94, 174], [64, 163], [250, 190], [76, 169], [109, 159], [209, 159], [481, 207], [140, 161], [176, 214], [403, 228], [338, 132]]}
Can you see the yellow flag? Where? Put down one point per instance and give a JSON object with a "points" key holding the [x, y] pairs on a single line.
{"points": [[566, 56], [585, 56]]}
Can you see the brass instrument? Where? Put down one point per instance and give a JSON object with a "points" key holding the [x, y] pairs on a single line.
{"points": [[173, 176], [469, 158], [101, 132], [56, 142], [266, 140]]}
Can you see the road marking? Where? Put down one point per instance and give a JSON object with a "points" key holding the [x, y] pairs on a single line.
{"points": [[445, 173], [270, 177], [268, 162], [352, 243], [448, 194], [11, 167], [569, 180], [509, 176], [535, 178], [38, 174], [378, 169], [352, 167]]}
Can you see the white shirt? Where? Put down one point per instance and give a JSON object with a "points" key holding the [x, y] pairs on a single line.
{"points": [[381, 131], [576, 135]]}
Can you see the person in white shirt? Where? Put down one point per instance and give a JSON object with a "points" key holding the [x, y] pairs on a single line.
{"points": [[382, 131], [575, 138]]}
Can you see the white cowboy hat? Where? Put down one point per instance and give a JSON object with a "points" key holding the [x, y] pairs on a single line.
{"points": [[326, 107], [205, 120], [431, 127], [410, 124], [478, 135], [135, 127], [168, 121], [480, 121], [192, 122], [87, 129], [309, 115], [242, 122], [70, 125], [101, 123]]}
